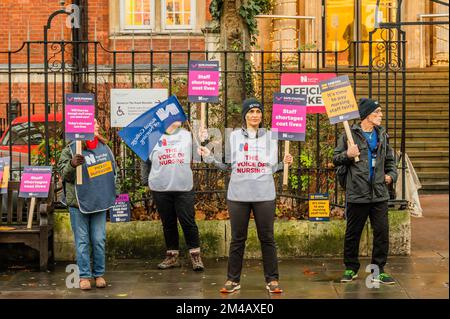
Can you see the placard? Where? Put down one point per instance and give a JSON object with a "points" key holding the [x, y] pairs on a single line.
{"points": [[319, 207], [203, 81], [289, 116], [143, 133], [339, 99], [79, 116], [4, 174], [35, 181], [120, 212], [306, 84]]}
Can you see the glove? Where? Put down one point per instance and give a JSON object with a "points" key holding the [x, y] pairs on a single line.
{"points": [[77, 160]]}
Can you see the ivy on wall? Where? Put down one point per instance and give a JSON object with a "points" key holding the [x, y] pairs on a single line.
{"points": [[248, 11]]}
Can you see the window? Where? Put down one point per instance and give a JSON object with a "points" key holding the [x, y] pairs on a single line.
{"points": [[178, 14], [137, 14]]}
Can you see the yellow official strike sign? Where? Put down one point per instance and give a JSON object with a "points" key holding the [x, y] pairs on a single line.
{"points": [[319, 207], [99, 169], [339, 100]]}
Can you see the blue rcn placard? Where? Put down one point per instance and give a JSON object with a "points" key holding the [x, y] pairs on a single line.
{"points": [[144, 132]]}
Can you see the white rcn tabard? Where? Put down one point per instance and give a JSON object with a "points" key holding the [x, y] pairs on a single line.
{"points": [[253, 162], [171, 163]]}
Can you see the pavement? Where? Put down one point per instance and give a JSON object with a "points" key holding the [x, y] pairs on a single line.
{"points": [[423, 275]]}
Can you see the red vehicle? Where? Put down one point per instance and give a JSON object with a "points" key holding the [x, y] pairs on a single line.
{"points": [[19, 136]]}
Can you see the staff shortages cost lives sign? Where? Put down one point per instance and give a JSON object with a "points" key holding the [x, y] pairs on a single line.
{"points": [[203, 81]]}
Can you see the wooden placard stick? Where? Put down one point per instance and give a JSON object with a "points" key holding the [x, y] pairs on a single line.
{"points": [[31, 212], [79, 167], [202, 116], [286, 166], [349, 137]]}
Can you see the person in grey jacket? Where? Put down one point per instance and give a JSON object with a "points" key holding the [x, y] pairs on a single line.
{"points": [[251, 189], [168, 174], [366, 187]]}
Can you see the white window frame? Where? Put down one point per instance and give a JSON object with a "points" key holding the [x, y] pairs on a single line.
{"points": [[190, 26], [126, 27]]}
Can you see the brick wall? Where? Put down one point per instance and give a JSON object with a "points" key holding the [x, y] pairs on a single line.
{"points": [[25, 19]]}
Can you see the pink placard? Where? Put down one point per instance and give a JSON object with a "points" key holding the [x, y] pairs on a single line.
{"points": [[80, 118], [35, 181], [289, 118], [203, 83], [307, 84]]}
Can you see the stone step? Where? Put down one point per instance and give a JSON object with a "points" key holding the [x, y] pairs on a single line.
{"points": [[441, 112], [411, 115], [435, 98], [418, 124], [424, 86], [421, 134], [433, 181], [427, 155], [425, 165], [410, 89], [434, 188], [430, 76], [428, 176], [421, 144]]}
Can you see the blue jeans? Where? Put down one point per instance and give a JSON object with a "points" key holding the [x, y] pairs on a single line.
{"points": [[89, 231]]}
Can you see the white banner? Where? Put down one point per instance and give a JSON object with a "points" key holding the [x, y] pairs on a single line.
{"points": [[128, 104]]}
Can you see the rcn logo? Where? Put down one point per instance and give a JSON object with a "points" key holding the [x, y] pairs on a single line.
{"points": [[170, 109], [90, 159], [162, 142], [243, 147]]}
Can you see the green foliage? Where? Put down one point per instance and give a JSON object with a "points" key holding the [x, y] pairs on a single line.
{"points": [[248, 78], [128, 180], [215, 8], [38, 155], [233, 107], [249, 10], [293, 179]]}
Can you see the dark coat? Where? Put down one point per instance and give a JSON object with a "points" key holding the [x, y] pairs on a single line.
{"points": [[359, 189]]}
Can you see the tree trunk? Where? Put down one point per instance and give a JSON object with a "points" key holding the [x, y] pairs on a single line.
{"points": [[234, 36]]}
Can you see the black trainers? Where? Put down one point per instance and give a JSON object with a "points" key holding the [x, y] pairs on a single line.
{"points": [[274, 287], [348, 276], [384, 279], [170, 261], [197, 264], [230, 286]]}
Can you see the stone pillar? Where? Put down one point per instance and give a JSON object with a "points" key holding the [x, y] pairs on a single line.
{"points": [[285, 30], [440, 37], [313, 30], [415, 48]]}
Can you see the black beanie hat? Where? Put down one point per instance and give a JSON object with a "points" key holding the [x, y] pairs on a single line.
{"points": [[251, 103], [366, 106]]}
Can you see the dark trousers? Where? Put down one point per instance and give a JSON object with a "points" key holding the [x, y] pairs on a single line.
{"points": [[177, 205], [356, 219], [264, 213]]}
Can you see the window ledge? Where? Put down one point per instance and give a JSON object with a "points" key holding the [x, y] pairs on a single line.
{"points": [[155, 35]]}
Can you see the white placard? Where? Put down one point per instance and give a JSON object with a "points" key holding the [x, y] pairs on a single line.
{"points": [[128, 104]]}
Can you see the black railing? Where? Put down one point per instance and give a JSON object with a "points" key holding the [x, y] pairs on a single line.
{"points": [[312, 172]]}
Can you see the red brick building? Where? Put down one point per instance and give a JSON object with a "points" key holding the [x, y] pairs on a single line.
{"points": [[117, 25]]}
